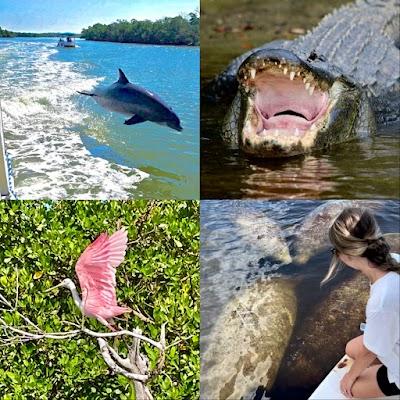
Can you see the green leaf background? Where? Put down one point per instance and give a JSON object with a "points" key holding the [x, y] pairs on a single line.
{"points": [[40, 243]]}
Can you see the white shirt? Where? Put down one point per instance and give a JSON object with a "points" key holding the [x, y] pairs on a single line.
{"points": [[382, 330]]}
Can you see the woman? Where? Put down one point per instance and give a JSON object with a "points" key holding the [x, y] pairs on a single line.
{"points": [[358, 244]]}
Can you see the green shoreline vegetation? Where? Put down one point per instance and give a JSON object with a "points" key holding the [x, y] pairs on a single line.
{"points": [[180, 30], [173, 31], [6, 33], [40, 242]]}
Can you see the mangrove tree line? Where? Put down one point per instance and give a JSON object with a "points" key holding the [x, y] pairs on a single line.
{"points": [[174, 31]]}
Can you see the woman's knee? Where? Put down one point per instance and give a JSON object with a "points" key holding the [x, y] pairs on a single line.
{"points": [[354, 347]]}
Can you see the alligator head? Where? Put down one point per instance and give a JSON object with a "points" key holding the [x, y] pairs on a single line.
{"points": [[287, 105]]}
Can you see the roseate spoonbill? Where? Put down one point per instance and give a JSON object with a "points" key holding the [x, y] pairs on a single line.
{"points": [[96, 273]]}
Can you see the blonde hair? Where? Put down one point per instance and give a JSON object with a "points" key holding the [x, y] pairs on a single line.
{"points": [[356, 233]]}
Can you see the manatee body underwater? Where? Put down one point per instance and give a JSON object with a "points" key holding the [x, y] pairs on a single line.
{"points": [[393, 240], [320, 338], [140, 104], [248, 341], [338, 82], [261, 231], [311, 236]]}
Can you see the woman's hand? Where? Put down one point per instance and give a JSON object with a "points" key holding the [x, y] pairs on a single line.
{"points": [[346, 384]]}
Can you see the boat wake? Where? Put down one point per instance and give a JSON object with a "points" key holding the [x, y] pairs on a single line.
{"points": [[43, 126]]}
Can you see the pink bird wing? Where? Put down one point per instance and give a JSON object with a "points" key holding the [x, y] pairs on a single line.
{"points": [[96, 273]]}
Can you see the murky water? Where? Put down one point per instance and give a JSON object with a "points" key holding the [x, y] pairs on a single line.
{"points": [[236, 257], [64, 145], [360, 169]]}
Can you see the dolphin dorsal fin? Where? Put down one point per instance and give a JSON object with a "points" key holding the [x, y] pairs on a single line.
{"points": [[122, 78]]}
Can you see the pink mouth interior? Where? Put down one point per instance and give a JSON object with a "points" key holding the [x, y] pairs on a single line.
{"points": [[285, 104]]}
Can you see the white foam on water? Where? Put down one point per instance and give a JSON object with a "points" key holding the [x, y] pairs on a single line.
{"points": [[42, 122]]}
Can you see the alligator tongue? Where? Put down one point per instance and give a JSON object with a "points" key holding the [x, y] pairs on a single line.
{"points": [[289, 112], [288, 122]]}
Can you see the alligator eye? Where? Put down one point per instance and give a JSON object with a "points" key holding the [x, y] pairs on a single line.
{"points": [[314, 56]]}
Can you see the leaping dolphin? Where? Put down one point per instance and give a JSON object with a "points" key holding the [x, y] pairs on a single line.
{"points": [[139, 103]]}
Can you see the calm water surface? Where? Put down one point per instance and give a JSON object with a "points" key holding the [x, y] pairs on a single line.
{"points": [[64, 145], [231, 261], [360, 169]]}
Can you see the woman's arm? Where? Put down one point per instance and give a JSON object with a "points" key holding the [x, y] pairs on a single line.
{"points": [[360, 364]]}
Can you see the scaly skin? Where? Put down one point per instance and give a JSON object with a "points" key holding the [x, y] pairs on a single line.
{"points": [[356, 45]]}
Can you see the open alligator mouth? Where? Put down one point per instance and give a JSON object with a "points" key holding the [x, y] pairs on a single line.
{"points": [[287, 104]]}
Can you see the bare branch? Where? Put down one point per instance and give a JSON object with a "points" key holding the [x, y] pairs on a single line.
{"points": [[120, 360], [104, 349], [123, 332]]}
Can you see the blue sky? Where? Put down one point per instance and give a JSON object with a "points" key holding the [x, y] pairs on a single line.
{"points": [[73, 15]]}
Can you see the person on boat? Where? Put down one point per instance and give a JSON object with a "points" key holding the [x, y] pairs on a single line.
{"points": [[357, 243]]}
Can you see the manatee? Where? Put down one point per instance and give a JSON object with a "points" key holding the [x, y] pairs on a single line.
{"points": [[312, 234], [393, 240], [248, 341], [320, 338], [139, 103], [260, 231]]}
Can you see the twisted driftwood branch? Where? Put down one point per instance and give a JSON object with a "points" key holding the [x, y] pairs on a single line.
{"points": [[135, 367]]}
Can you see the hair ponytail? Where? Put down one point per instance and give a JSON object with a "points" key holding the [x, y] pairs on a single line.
{"points": [[356, 233]]}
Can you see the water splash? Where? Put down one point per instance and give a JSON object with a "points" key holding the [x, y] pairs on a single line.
{"points": [[42, 124]]}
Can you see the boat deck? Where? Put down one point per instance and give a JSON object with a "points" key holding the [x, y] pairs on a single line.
{"points": [[329, 388]]}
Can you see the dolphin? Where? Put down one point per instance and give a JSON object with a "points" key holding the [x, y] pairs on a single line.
{"points": [[248, 341], [139, 103]]}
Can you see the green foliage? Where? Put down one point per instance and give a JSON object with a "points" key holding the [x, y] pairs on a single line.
{"points": [[176, 31], [40, 243], [5, 33]]}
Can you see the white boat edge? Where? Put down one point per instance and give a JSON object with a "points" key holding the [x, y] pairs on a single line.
{"points": [[5, 177], [329, 388]]}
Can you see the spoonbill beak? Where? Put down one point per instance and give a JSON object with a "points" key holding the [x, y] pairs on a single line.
{"points": [[54, 287]]}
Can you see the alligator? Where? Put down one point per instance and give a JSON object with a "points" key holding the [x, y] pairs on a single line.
{"points": [[338, 82]]}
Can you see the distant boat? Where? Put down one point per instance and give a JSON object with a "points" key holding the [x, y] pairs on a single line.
{"points": [[68, 42]]}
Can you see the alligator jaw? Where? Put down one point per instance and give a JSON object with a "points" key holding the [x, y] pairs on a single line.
{"points": [[287, 105]]}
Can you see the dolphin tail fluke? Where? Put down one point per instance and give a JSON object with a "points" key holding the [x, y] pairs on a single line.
{"points": [[136, 119], [86, 94]]}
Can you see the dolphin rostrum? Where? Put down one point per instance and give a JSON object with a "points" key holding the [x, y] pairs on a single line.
{"points": [[139, 103]]}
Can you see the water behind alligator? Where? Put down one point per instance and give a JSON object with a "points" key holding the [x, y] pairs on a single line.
{"points": [[64, 145], [232, 261], [360, 169]]}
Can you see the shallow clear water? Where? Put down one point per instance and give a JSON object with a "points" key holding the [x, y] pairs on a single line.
{"points": [[64, 145], [233, 259], [360, 169]]}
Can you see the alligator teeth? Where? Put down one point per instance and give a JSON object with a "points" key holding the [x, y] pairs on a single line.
{"points": [[298, 73], [311, 91], [307, 85], [304, 80], [253, 73], [292, 74], [285, 71]]}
